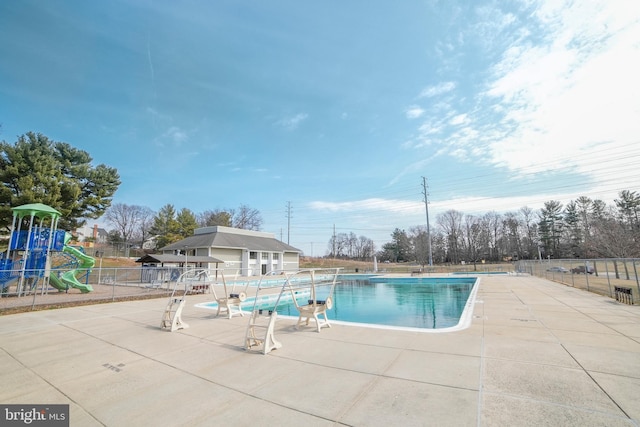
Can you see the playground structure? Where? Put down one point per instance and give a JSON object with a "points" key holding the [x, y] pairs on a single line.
{"points": [[38, 254]]}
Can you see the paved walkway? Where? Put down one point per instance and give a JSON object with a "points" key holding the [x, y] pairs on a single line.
{"points": [[537, 353]]}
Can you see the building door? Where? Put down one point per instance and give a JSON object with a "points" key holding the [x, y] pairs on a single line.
{"points": [[264, 269]]}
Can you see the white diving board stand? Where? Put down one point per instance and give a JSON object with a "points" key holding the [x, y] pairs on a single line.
{"points": [[172, 317], [231, 303], [304, 287], [192, 281], [260, 332]]}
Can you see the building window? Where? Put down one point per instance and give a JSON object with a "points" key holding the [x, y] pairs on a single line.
{"points": [[253, 255], [265, 255], [276, 257]]}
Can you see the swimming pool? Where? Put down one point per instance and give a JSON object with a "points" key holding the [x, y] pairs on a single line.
{"points": [[424, 304]]}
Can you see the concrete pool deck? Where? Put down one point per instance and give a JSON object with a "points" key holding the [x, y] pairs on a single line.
{"points": [[537, 353]]}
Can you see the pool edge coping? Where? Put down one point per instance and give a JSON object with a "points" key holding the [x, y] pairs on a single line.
{"points": [[465, 318]]}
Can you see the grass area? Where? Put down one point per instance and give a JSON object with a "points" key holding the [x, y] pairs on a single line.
{"points": [[113, 262], [401, 268]]}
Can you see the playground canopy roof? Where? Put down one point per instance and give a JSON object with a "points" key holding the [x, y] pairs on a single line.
{"points": [[168, 258], [38, 210]]}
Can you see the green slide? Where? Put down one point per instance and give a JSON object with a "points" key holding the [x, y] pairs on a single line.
{"points": [[86, 262], [68, 278], [57, 283]]}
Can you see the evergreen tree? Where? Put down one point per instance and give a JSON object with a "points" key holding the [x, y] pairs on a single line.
{"points": [[38, 170], [165, 226], [550, 228], [187, 222]]}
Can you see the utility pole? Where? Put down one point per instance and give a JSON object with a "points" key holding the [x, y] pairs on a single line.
{"points": [[426, 206], [334, 241], [288, 221]]}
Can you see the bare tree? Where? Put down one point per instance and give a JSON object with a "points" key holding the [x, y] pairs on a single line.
{"points": [[366, 248], [513, 235], [348, 245], [493, 221], [144, 224], [612, 238], [215, 217], [337, 245], [247, 218], [472, 231], [450, 223], [127, 219], [420, 239], [531, 241]]}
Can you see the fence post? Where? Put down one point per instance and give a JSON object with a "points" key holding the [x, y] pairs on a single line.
{"points": [[35, 292], [626, 269], [586, 274], [606, 269], [635, 271]]}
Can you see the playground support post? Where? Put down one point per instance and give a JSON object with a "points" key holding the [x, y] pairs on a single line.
{"points": [[25, 256]]}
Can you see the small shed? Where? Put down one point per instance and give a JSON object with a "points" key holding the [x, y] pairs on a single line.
{"points": [[158, 268], [169, 260]]}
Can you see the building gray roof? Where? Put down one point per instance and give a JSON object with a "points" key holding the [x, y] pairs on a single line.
{"points": [[162, 258], [224, 237]]}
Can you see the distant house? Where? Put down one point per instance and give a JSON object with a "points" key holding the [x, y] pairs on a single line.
{"points": [[94, 234], [151, 243], [242, 252]]}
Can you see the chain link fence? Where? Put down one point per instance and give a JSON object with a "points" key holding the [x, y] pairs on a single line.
{"points": [[23, 288], [613, 277], [616, 278], [36, 289]]}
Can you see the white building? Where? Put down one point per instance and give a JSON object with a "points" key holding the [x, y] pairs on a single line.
{"points": [[243, 252]]}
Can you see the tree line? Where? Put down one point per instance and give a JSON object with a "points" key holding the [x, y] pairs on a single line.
{"points": [[583, 228], [349, 246], [135, 224], [36, 169]]}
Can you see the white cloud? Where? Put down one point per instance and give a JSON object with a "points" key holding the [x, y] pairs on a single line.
{"points": [[562, 96], [413, 212], [431, 128], [292, 123], [459, 120], [176, 135], [414, 112], [438, 89], [395, 206]]}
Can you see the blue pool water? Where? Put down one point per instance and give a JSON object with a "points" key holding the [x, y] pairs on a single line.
{"points": [[427, 303]]}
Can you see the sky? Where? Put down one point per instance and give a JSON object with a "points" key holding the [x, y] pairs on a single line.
{"points": [[325, 116]]}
